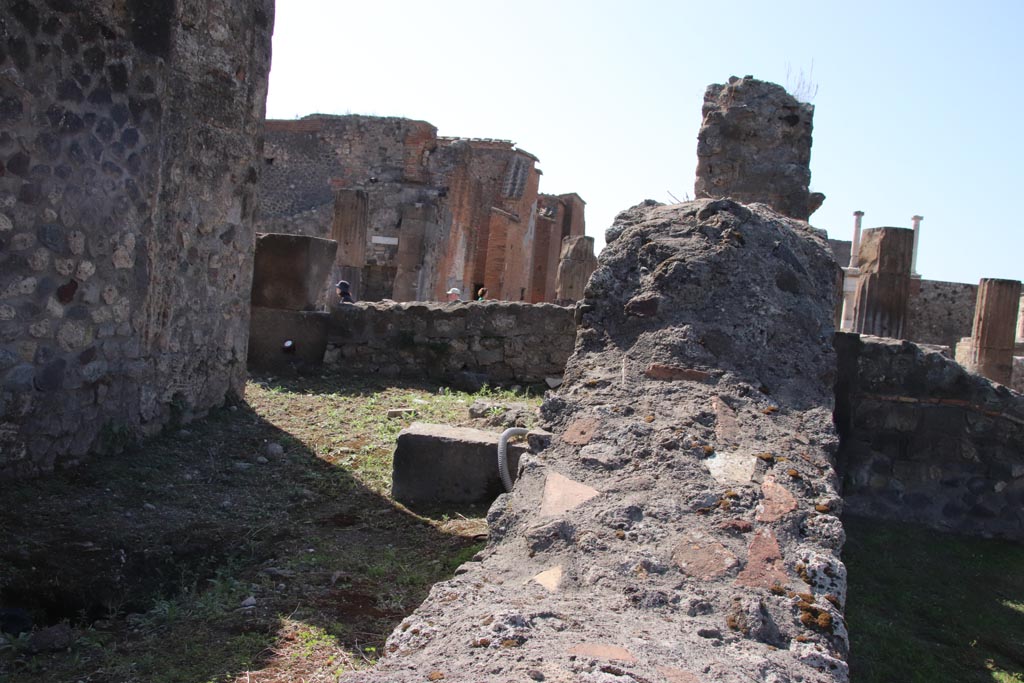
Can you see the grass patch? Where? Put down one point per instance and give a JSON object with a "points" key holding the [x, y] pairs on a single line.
{"points": [[930, 607], [204, 555]]}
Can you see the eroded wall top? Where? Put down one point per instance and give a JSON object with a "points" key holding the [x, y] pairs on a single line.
{"points": [[754, 145]]}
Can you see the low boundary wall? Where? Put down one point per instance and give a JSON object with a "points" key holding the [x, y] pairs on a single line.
{"points": [[464, 343]]}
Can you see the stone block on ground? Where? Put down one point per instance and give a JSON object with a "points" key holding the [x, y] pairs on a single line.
{"points": [[436, 464], [291, 271]]}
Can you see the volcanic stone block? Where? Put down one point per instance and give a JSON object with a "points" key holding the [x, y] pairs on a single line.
{"points": [[995, 323], [883, 287], [279, 338], [442, 464], [291, 272]]}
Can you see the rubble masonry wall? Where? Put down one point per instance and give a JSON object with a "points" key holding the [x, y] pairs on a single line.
{"points": [[129, 136], [496, 342], [926, 441], [940, 312]]}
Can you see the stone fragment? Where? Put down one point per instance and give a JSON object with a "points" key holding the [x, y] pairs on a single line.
{"points": [[550, 578], [702, 557], [776, 503], [764, 567], [562, 494], [123, 258], [731, 467], [401, 412], [672, 373], [674, 675], [553, 382], [726, 428], [580, 431], [602, 651]]}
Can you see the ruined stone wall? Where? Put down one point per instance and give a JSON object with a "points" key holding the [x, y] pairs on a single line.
{"points": [[460, 343], [754, 145], [129, 139], [681, 524], [306, 159], [940, 312], [925, 441]]}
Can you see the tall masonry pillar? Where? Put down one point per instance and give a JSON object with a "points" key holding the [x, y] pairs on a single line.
{"points": [[883, 287], [995, 323]]}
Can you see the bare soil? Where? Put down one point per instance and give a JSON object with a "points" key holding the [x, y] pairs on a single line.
{"points": [[259, 544]]}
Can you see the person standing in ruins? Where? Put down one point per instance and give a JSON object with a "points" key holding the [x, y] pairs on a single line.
{"points": [[344, 291], [454, 294], [481, 294]]}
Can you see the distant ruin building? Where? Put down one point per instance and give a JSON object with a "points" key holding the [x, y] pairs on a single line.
{"points": [[754, 145], [415, 214]]}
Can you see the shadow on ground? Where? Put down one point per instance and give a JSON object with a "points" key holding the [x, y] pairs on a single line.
{"points": [[208, 554], [933, 607]]}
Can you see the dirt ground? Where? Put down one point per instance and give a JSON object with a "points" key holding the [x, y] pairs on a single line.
{"points": [[259, 544]]}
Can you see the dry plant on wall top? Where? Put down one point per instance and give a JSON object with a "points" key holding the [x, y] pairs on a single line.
{"points": [[801, 85]]}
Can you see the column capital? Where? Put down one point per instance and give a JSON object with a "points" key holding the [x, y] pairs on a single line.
{"points": [[858, 214], [917, 218]]}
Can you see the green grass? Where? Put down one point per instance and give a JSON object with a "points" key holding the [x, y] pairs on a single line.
{"points": [[930, 607]]}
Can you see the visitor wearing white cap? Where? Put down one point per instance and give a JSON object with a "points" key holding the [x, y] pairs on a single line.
{"points": [[454, 294]]}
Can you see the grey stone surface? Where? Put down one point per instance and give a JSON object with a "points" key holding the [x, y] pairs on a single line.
{"points": [[129, 135], [437, 464], [625, 552], [754, 145]]}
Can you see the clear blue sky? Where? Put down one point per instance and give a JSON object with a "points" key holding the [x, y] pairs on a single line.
{"points": [[918, 104]]}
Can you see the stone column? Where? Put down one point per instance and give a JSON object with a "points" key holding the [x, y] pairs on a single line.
{"points": [[1020, 321], [916, 222], [855, 247], [576, 265], [995, 322], [883, 288], [850, 275]]}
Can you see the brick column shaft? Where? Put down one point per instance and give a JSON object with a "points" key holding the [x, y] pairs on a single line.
{"points": [[995, 322], [883, 288]]}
